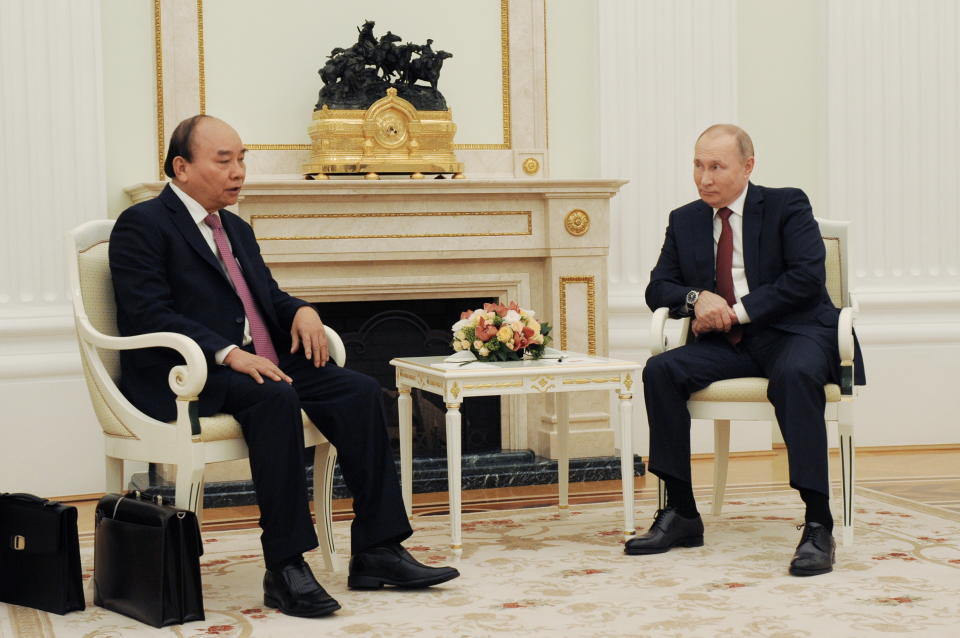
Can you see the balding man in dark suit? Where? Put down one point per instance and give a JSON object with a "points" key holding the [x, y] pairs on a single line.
{"points": [[747, 263], [181, 263]]}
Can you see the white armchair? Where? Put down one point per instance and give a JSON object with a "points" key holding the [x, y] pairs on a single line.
{"points": [[191, 441], [745, 399]]}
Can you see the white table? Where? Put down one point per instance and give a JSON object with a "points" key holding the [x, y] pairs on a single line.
{"points": [[455, 382]]}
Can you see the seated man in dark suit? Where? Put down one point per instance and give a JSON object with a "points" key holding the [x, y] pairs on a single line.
{"points": [[747, 263], [182, 264]]}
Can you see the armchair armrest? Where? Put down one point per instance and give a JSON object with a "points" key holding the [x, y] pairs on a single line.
{"points": [[846, 349], [658, 321], [335, 346], [658, 337], [186, 381]]}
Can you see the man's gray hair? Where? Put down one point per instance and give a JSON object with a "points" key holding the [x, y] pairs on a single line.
{"points": [[744, 143]]}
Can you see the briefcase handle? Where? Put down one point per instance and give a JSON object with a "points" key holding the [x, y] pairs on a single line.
{"points": [[27, 498]]}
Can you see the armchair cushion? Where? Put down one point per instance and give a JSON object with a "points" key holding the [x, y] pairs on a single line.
{"points": [[749, 389]]}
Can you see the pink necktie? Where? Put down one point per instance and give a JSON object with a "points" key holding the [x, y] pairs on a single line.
{"points": [[725, 268], [258, 329]]}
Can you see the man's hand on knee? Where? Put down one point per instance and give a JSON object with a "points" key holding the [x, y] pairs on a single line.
{"points": [[254, 365], [307, 329], [713, 314]]}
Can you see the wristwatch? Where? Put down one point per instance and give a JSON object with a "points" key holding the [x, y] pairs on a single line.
{"points": [[692, 297]]}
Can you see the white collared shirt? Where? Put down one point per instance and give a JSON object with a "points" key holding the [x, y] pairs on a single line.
{"points": [[740, 286], [199, 213]]}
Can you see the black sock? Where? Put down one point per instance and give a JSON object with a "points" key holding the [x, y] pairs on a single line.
{"points": [[818, 508], [280, 564], [680, 498]]}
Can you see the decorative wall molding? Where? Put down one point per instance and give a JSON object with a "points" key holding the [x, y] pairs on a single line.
{"points": [[52, 147], [670, 72], [892, 102], [183, 78]]}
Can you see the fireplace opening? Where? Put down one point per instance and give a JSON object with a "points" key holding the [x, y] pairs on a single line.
{"points": [[374, 332]]}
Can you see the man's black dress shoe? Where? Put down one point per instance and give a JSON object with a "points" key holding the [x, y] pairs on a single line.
{"points": [[393, 565], [294, 591], [669, 529], [816, 552]]}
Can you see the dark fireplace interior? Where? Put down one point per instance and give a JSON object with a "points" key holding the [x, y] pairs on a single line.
{"points": [[374, 332]]}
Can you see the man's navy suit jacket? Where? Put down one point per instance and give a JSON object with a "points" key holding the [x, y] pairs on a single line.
{"points": [[167, 279], [783, 255]]}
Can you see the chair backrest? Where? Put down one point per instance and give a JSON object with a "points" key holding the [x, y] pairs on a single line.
{"points": [[93, 287], [834, 235]]}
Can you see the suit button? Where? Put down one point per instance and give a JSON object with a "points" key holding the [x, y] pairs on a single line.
{"points": [[239, 319]]}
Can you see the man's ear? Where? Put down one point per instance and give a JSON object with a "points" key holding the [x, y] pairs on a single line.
{"points": [[180, 168], [748, 165]]}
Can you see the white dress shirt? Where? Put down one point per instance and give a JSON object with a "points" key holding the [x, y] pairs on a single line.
{"points": [[199, 213], [740, 286]]}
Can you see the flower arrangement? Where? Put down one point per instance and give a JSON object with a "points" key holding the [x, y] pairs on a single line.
{"points": [[501, 333]]}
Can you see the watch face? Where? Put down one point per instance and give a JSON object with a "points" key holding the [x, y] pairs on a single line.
{"points": [[692, 297]]}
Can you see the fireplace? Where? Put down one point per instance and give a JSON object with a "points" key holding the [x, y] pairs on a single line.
{"points": [[374, 332], [389, 243]]}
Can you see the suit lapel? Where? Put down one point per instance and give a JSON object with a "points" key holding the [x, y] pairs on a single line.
{"points": [[752, 223], [702, 233], [188, 228]]}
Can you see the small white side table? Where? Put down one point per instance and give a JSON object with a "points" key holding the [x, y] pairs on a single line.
{"points": [[455, 382]]}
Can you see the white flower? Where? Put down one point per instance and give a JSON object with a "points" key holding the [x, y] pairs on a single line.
{"points": [[459, 335], [517, 326], [457, 347], [483, 351], [477, 344], [538, 339], [511, 317], [465, 345], [460, 325]]}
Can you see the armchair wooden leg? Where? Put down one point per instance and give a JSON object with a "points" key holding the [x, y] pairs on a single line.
{"points": [[847, 458], [189, 488], [114, 474], [325, 456], [721, 456]]}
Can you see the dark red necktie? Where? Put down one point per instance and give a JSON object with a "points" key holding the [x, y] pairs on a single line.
{"points": [[725, 268], [258, 328]]}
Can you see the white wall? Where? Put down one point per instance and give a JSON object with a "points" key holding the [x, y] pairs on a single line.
{"points": [[854, 101], [52, 167]]}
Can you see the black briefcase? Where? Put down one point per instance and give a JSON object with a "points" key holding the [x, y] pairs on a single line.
{"points": [[147, 561], [40, 554]]}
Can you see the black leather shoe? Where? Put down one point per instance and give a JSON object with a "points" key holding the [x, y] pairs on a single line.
{"points": [[393, 565], [816, 552], [669, 529], [294, 591]]}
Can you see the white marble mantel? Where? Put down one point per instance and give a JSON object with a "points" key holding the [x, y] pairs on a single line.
{"points": [[355, 240]]}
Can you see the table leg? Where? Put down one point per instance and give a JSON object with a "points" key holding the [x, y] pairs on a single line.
{"points": [[626, 463], [405, 412], [563, 451], [454, 482]]}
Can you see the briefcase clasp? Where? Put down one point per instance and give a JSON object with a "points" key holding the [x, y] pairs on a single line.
{"points": [[18, 542]]}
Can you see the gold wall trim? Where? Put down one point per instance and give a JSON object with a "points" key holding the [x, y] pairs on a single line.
{"points": [[546, 80], [158, 60], [591, 311], [200, 59], [505, 71], [504, 84], [529, 230], [278, 147]]}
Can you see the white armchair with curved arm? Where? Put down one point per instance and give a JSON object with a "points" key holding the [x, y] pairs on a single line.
{"points": [[191, 441], [745, 399]]}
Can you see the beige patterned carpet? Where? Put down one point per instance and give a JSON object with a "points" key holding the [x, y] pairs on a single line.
{"points": [[534, 574]]}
